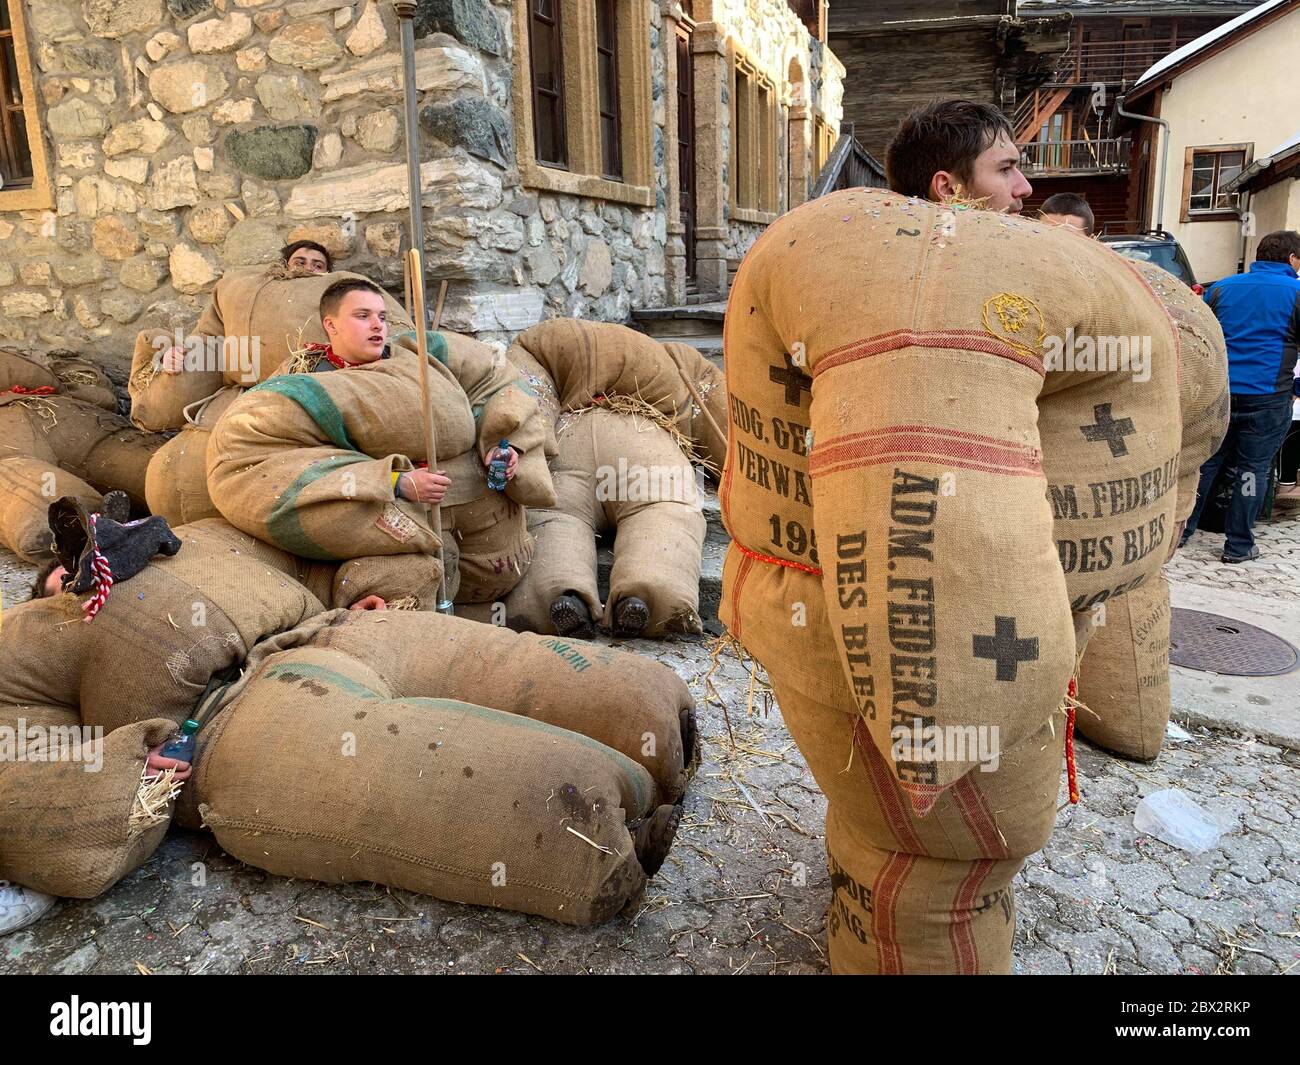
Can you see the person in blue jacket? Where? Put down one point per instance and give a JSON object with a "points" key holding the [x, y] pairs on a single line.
{"points": [[1260, 315]]}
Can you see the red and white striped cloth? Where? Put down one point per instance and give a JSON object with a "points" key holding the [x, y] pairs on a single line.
{"points": [[103, 578]]}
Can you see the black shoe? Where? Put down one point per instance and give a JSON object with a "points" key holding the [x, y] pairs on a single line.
{"points": [[570, 618], [1232, 559], [654, 835], [631, 616]]}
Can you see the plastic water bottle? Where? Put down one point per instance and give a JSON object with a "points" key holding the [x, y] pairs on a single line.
{"points": [[181, 747], [497, 467]]}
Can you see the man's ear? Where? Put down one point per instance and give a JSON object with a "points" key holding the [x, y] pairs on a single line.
{"points": [[944, 186], [328, 322]]}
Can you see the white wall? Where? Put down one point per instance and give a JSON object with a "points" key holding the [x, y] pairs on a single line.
{"points": [[1249, 93]]}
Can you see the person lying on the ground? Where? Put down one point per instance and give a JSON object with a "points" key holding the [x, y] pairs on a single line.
{"points": [[323, 459], [255, 318], [569, 766]]}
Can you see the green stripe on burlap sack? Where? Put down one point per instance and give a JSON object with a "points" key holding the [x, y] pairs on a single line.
{"points": [[630, 703], [308, 393], [284, 523], [308, 774]]}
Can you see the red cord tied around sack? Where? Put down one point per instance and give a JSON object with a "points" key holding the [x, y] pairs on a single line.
{"points": [[40, 390], [1071, 779], [103, 578]]}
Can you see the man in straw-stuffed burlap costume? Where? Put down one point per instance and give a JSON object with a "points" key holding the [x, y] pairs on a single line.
{"points": [[411, 749], [896, 564], [632, 417], [323, 459]]}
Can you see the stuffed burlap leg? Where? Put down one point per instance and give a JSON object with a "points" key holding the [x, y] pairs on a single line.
{"points": [[564, 542], [65, 825], [635, 705], [1124, 680], [441, 797], [493, 545], [922, 894]]}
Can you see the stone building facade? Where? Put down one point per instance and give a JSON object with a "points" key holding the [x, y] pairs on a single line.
{"points": [[169, 140]]}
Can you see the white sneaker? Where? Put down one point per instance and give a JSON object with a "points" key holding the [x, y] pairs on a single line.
{"points": [[21, 906]]}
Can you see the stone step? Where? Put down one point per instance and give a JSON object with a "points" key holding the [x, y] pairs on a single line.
{"points": [[678, 323]]}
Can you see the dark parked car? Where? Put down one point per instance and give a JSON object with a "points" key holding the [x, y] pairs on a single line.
{"points": [[1159, 248]]}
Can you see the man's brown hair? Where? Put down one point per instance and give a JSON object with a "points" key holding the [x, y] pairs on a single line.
{"points": [[943, 135], [286, 253], [1278, 247], [332, 297], [1072, 204]]}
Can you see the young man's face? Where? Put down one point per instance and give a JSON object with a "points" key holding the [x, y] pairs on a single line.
{"points": [[359, 330], [305, 261], [54, 582], [995, 178], [1069, 221]]}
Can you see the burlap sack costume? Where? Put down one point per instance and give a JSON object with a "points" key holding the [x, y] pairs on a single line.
{"points": [[623, 473], [306, 461], [1124, 678], [629, 415], [61, 372], [27, 488], [254, 320], [100, 447], [176, 482], [917, 507], [388, 777]]}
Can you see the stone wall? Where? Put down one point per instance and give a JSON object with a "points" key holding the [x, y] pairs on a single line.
{"points": [[186, 137]]}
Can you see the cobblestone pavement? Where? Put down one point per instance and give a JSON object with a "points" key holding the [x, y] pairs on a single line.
{"points": [[743, 891], [1275, 574]]}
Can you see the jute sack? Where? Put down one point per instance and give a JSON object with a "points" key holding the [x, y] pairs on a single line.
{"points": [[949, 482], [573, 364], [1124, 680], [71, 823], [176, 480], [493, 546], [306, 461], [19, 371], [622, 472], [932, 893], [263, 316], [83, 380], [158, 400], [1202, 380], [632, 704], [159, 638], [27, 488], [100, 447], [446, 798]]}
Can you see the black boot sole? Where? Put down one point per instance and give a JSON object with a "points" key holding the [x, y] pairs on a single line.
{"points": [[631, 616], [570, 618]]}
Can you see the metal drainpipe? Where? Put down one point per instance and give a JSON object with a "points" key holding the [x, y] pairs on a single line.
{"points": [[1164, 158]]}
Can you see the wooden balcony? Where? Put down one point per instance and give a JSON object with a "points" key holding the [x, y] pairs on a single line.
{"points": [[1090, 156]]}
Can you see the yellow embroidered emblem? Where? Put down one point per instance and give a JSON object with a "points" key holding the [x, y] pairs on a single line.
{"points": [[1016, 315]]}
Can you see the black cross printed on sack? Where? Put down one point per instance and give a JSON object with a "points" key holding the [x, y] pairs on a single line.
{"points": [[792, 379], [1004, 647], [1108, 429]]}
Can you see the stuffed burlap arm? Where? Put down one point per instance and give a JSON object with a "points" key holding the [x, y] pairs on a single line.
{"points": [[287, 474], [158, 400], [505, 408], [945, 598]]}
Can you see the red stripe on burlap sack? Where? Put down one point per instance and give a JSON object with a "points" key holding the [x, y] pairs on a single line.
{"points": [[884, 916], [974, 809], [886, 789], [964, 949], [925, 443], [747, 563], [945, 339]]}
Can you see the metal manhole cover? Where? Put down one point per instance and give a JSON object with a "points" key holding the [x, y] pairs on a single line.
{"points": [[1217, 644]]}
